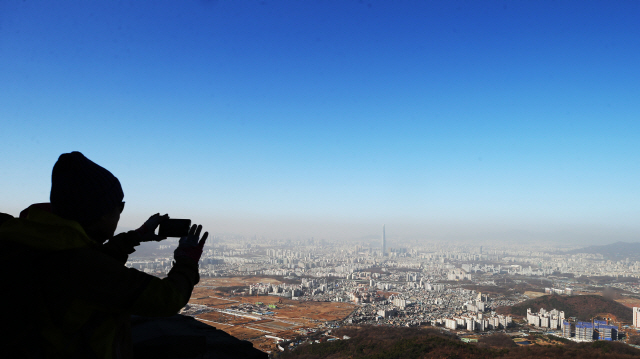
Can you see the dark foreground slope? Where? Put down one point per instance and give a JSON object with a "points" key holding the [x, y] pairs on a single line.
{"points": [[414, 343], [180, 336], [584, 307]]}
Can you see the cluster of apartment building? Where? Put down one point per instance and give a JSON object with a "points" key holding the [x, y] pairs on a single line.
{"points": [[475, 319], [477, 305], [553, 319], [590, 331], [579, 331], [307, 286], [567, 291], [478, 321], [458, 274]]}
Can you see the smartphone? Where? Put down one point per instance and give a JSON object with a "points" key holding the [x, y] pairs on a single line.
{"points": [[174, 228]]}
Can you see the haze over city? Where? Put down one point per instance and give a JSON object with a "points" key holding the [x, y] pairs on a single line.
{"points": [[446, 121]]}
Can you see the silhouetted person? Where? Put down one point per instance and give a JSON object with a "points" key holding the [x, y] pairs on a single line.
{"points": [[65, 292]]}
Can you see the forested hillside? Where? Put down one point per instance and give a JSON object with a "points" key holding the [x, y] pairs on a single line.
{"points": [[377, 342], [584, 307]]}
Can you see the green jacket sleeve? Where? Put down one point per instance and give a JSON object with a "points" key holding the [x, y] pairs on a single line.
{"points": [[105, 282], [120, 246], [172, 292]]}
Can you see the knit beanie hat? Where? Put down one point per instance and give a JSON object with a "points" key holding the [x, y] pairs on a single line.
{"points": [[81, 190]]}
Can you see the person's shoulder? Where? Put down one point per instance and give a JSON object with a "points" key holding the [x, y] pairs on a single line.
{"points": [[4, 217], [45, 231]]}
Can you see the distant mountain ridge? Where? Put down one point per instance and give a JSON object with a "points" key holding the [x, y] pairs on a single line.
{"points": [[618, 250]]}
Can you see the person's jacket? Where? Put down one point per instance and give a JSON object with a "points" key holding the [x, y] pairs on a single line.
{"points": [[65, 296]]}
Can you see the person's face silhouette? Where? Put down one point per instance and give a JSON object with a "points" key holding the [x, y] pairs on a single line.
{"points": [[105, 227]]}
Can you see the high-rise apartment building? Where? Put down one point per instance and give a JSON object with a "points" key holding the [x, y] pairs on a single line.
{"points": [[384, 242], [636, 317], [584, 331]]}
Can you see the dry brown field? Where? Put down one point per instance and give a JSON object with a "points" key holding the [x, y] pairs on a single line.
{"points": [[533, 295], [320, 311], [289, 315], [629, 302], [626, 301], [264, 344], [243, 332], [212, 301]]}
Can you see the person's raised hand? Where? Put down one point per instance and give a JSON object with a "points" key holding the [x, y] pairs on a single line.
{"points": [[148, 229], [191, 246]]}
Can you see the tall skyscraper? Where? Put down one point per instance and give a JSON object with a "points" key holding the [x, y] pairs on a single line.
{"points": [[384, 242], [636, 317]]}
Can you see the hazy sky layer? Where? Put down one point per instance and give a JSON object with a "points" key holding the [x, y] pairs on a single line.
{"points": [[442, 119]]}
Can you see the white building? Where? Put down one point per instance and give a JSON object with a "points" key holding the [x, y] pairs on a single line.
{"points": [[400, 303], [386, 313], [478, 322], [471, 324], [458, 274], [636, 317], [544, 319]]}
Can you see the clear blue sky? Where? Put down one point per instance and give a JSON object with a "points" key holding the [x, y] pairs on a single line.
{"points": [[448, 117]]}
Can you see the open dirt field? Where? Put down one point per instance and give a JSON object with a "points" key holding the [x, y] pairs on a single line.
{"points": [[240, 315], [211, 301], [243, 332], [533, 295], [320, 311], [629, 302]]}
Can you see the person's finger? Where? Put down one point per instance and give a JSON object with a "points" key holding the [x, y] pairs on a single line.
{"points": [[198, 230], [189, 239], [150, 223], [159, 219], [203, 240], [159, 238]]}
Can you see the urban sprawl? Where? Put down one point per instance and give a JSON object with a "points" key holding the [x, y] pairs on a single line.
{"points": [[442, 285]]}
